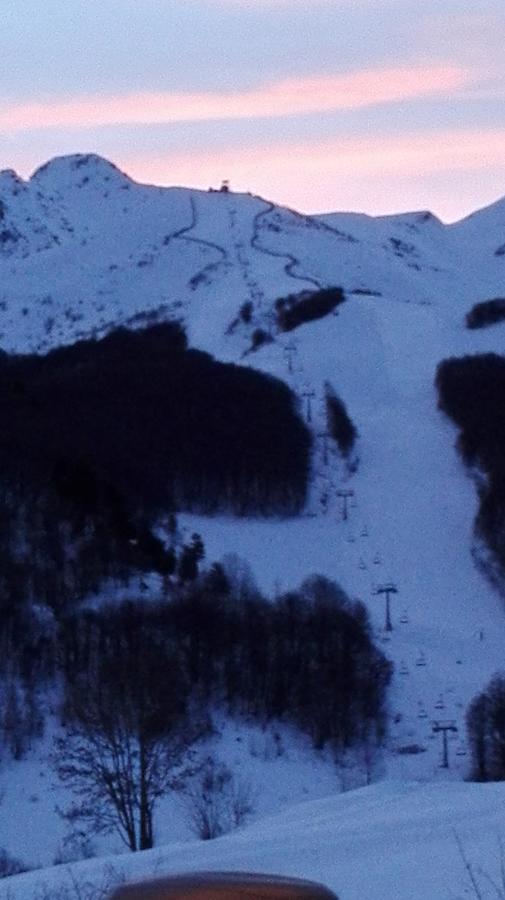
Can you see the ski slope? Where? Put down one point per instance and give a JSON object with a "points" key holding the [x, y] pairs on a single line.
{"points": [[83, 248]]}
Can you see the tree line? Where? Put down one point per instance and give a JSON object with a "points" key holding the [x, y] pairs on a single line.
{"points": [[141, 681], [141, 416], [307, 306], [101, 438], [471, 391], [307, 658], [138, 682], [486, 731], [487, 312], [339, 423]]}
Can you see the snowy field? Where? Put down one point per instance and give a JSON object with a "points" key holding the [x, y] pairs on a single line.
{"points": [[390, 840]]}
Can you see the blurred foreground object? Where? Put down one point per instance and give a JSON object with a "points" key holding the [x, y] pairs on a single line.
{"points": [[221, 885]]}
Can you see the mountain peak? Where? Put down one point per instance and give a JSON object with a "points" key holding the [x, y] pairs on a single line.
{"points": [[10, 181], [417, 217], [79, 169], [494, 212]]}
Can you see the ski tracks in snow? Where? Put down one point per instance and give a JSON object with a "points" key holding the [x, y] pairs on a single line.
{"points": [[292, 262], [204, 275]]}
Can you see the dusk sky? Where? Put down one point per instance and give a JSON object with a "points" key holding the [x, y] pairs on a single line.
{"points": [[368, 105]]}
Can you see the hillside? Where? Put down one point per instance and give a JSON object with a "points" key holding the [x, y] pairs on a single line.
{"points": [[389, 840], [84, 249]]}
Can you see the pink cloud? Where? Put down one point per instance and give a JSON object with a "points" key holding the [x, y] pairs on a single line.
{"points": [[246, 4], [294, 96], [274, 3], [395, 155], [383, 174]]}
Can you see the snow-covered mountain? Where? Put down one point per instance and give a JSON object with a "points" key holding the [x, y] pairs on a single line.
{"points": [[83, 248]]}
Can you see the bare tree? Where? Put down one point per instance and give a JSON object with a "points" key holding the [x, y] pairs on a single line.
{"points": [[128, 742], [217, 801]]}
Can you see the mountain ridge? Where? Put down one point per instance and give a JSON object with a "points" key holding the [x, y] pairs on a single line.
{"points": [[81, 222]]}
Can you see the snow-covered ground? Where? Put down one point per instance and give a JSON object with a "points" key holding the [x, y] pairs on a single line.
{"points": [[390, 840], [88, 248]]}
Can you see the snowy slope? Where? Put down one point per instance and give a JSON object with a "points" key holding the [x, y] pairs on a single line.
{"points": [[382, 842], [82, 248]]}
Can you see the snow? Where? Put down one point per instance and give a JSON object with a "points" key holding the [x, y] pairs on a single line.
{"points": [[387, 840], [94, 249]]}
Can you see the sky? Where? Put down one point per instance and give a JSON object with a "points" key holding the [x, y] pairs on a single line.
{"points": [[375, 106]]}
